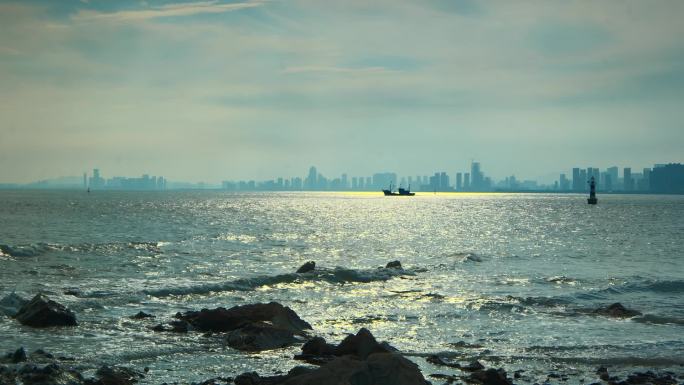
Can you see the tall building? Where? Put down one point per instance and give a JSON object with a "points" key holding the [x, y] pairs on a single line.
{"points": [[466, 181], [583, 177], [563, 183], [476, 176], [311, 181], [613, 172], [577, 182], [667, 179], [628, 182], [459, 181]]}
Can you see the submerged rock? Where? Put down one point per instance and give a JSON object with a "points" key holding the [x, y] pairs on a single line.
{"points": [[393, 265], [616, 310], [43, 312], [11, 303], [307, 267], [142, 315]]}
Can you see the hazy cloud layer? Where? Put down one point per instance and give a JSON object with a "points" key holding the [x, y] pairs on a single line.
{"points": [[216, 90]]}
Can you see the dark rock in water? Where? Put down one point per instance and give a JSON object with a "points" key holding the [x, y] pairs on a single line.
{"points": [[215, 381], [11, 303], [51, 374], [307, 267], [174, 327], [318, 347], [437, 360], [649, 378], [259, 336], [253, 327], [377, 369], [43, 312], [74, 292], [223, 320], [616, 310], [490, 377], [110, 375], [393, 265], [360, 345], [142, 315], [18, 356]]}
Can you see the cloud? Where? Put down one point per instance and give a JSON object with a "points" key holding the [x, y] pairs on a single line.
{"points": [[169, 10], [335, 69]]}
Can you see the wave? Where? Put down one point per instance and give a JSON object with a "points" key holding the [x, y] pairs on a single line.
{"points": [[41, 248], [337, 276]]}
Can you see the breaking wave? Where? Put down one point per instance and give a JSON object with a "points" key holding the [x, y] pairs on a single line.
{"points": [[40, 248]]}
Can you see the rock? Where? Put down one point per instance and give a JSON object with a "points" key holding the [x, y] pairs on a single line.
{"points": [[18, 356], [259, 336], [223, 320], [142, 315], [43, 312], [378, 369], [11, 303], [307, 267], [318, 347], [490, 377], [616, 310], [51, 374], [393, 265], [111, 375], [360, 345]]}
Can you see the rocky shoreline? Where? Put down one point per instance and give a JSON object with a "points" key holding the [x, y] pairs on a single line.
{"points": [[359, 359]]}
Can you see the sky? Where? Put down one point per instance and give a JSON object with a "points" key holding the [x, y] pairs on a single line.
{"points": [[216, 90]]}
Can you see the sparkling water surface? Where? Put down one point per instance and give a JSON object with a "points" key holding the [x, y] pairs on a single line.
{"points": [[509, 279]]}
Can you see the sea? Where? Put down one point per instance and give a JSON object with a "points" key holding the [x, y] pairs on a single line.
{"points": [[511, 280]]}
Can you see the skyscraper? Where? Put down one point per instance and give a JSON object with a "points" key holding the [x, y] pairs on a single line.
{"points": [[628, 182], [577, 183], [459, 181], [311, 181], [466, 182]]}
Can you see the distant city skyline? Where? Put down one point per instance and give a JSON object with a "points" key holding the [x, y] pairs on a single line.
{"points": [[208, 90], [661, 178]]}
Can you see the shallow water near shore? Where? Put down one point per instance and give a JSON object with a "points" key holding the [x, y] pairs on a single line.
{"points": [[509, 279]]}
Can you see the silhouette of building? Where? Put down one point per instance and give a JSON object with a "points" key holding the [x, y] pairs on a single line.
{"points": [[667, 179], [466, 181], [628, 182], [459, 181]]}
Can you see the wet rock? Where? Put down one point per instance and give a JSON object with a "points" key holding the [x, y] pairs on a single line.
{"points": [[307, 267], [259, 336], [616, 310], [437, 360], [224, 320], [215, 381], [649, 378], [393, 265], [361, 345], [112, 375], [318, 347], [378, 369], [142, 315], [11, 303], [43, 312], [490, 377], [18, 356], [50, 374]]}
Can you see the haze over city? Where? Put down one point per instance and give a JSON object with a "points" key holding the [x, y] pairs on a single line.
{"points": [[212, 91]]}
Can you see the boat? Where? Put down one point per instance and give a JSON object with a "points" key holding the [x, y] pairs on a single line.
{"points": [[401, 192], [592, 192]]}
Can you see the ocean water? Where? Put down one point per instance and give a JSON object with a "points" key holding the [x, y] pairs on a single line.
{"points": [[508, 279]]}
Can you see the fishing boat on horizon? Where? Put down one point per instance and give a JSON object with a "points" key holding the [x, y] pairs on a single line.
{"points": [[400, 192]]}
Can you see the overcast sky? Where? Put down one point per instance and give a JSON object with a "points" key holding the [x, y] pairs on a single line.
{"points": [[217, 90]]}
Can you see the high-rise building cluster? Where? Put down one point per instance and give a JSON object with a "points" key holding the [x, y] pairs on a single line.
{"points": [[475, 180], [145, 182], [662, 178]]}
